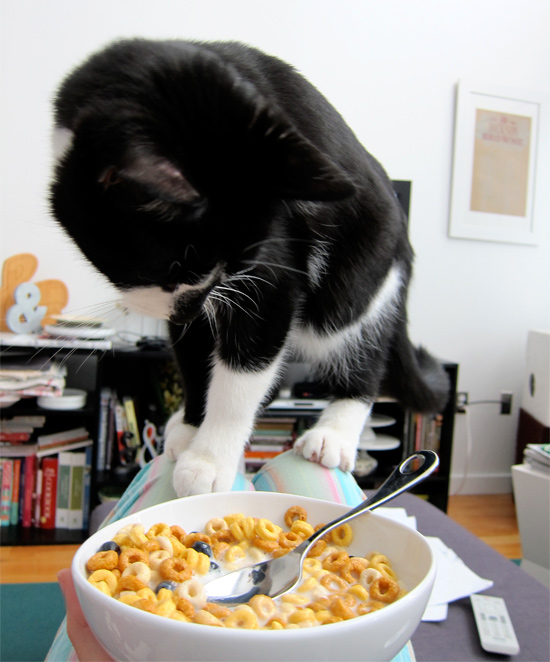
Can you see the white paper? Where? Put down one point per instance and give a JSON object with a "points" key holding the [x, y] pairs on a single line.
{"points": [[398, 515], [435, 613], [453, 579]]}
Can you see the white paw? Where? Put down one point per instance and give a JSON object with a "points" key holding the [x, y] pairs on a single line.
{"points": [[327, 447], [197, 473], [178, 437]]}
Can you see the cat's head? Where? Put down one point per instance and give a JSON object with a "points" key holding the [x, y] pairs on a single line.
{"points": [[169, 165]]}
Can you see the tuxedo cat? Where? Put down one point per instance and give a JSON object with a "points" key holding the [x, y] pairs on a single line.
{"points": [[219, 190]]}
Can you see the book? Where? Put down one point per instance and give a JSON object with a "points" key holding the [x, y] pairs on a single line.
{"points": [[48, 494], [15, 493], [76, 498], [63, 490], [131, 420], [29, 478], [18, 450], [103, 428], [87, 489], [6, 492], [26, 450], [537, 456], [76, 445], [36, 497], [58, 439], [14, 437]]}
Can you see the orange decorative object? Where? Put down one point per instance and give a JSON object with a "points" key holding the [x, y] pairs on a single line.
{"points": [[19, 269]]}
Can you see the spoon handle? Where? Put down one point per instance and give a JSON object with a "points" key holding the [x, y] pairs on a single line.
{"points": [[411, 471]]}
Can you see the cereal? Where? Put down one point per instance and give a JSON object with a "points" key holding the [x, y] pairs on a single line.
{"points": [[175, 569], [103, 561], [162, 571], [295, 513]]}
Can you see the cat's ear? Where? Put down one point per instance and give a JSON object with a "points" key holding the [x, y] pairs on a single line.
{"points": [[155, 173], [296, 168]]}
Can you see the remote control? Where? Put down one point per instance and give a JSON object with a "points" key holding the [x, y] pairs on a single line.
{"points": [[494, 626]]}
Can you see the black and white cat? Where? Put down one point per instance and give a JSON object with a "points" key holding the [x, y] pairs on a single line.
{"points": [[219, 190]]}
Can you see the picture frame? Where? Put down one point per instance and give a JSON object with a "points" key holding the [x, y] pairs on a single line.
{"points": [[500, 164]]}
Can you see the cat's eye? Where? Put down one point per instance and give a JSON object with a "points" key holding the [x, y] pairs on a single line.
{"points": [[110, 177]]}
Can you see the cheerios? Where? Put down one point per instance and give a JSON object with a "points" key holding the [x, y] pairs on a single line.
{"points": [[342, 535], [132, 555], [103, 561], [295, 513], [162, 569], [242, 618], [106, 577], [175, 569], [215, 525]]}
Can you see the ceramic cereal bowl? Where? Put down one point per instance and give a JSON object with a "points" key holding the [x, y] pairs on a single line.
{"points": [[131, 634]]}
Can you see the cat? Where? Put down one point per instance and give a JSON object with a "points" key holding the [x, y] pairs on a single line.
{"points": [[217, 189]]}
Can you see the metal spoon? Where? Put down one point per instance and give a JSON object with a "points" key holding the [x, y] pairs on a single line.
{"points": [[277, 576]]}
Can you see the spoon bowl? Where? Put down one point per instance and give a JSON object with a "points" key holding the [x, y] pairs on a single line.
{"points": [[278, 576]]}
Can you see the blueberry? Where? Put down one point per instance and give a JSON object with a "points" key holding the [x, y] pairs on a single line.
{"points": [[108, 546], [170, 585], [213, 565], [203, 548]]}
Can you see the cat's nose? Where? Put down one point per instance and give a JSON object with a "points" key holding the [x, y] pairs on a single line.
{"points": [[170, 287], [187, 305]]}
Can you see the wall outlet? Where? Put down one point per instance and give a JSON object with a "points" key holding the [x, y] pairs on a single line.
{"points": [[506, 402], [461, 401]]}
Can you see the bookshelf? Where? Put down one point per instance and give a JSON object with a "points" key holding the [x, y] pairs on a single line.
{"points": [[83, 372], [401, 425], [436, 487], [142, 374]]}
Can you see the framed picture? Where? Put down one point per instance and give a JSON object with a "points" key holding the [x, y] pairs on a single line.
{"points": [[501, 165]]}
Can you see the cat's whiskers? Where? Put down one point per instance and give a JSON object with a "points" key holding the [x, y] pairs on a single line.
{"points": [[238, 292], [229, 302], [210, 313], [282, 267], [249, 279]]}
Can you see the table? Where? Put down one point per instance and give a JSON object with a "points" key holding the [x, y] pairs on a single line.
{"points": [[527, 600]]}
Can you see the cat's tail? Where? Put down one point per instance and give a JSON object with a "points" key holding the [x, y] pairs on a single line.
{"points": [[415, 378]]}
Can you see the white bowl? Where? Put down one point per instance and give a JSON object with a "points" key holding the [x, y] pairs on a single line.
{"points": [[131, 634]]}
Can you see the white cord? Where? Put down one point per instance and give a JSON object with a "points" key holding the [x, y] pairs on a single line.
{"points": [[469, 444]]}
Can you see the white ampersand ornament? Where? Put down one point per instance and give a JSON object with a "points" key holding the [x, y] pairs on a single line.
{"points": [[26, 315]]}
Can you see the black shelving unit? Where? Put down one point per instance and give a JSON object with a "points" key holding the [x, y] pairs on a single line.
{"points": [[436, 487], [137, 373], [83, 372]]}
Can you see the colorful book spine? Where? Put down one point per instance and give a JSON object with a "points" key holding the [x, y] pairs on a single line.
{"points": [[76, 499], [103, 427], [48, 496], [59, 438], [131, 420], [87, 489], [63, 490], [15, 495], [6, 490], [28, 491]]}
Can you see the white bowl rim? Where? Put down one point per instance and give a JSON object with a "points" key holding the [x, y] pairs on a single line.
{"points": [[238, 632]]}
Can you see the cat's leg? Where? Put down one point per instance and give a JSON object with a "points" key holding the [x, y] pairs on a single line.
{"points": [[234, 396], [178, 435], [333, 440], [193, 347]]}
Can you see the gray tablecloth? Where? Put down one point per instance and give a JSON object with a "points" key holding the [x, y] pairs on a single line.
{"points": [[527, 600]]}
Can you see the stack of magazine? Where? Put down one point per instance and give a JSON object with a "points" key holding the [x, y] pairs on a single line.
{"points": [[537, 456]]}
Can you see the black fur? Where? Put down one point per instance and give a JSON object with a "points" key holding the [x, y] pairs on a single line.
{"points": [[192, 160]]}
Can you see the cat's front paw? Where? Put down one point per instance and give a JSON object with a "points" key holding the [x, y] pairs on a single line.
{"points": [[198, 473], [327, 447], [178, 436]]}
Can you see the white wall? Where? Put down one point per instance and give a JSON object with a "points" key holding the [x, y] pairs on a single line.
{"points": [[390, 67]]}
